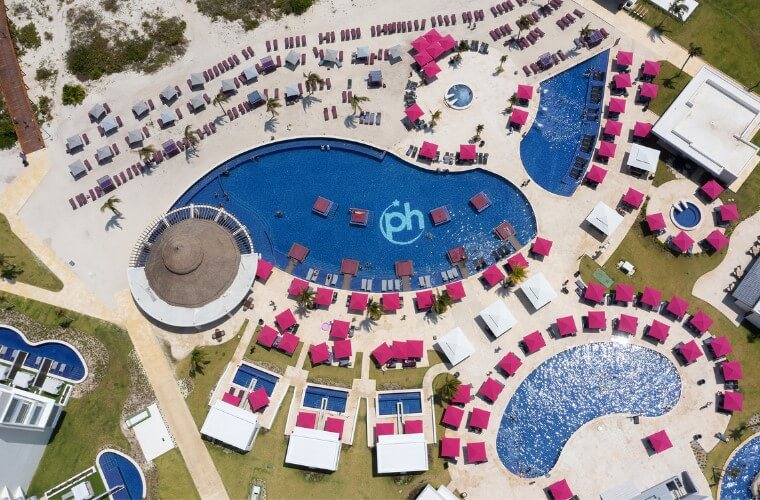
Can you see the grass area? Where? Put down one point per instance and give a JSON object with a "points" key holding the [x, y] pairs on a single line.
{"points": [[406, 378], [725, 29], [271, 359], [34, 272], [336, 375], [96, 483], [671, 81], [747, 198], [174, 478], [663, 174]]}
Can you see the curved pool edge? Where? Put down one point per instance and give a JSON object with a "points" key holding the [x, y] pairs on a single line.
{"points": [[731, 456], [128, 458]]}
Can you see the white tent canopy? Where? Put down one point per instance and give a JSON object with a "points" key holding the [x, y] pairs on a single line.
{"points": [[430, 493], [498, 318], [643, 158], [538, 290], [314, 449], [292, 58], [400, 453], [231, 425], [455, 346], [604, 218]]}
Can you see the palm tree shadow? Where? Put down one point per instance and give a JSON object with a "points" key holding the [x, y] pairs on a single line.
{"points": [[114, 222], [670, 82], [656, 32], [431, 318], [366, 324], [504, 291], [350, 121], [308, 100], [271, 125]]}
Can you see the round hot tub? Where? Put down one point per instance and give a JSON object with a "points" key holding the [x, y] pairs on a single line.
{"points": [[459, 96], [685, 215]]}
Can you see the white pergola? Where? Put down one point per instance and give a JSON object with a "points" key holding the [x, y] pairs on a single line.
{"points": [[604, 218], [455, 346], [401, 453], [538, 290], [231, 425], [498, 318], [314, 449], [643, 158]]}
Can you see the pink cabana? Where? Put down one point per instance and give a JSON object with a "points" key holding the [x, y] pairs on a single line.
{"points": [[534, 342], [732, 371], [288, 343], [659, 441], [422, 58], [339, 329], [258, 399], [231, 399], [624, 58], [349, 266], [415, 349], [721, 346], [456, 290], [729, 213], [510, 363], [525, 92], [649, 90], [447, 42], [391, 301], [518, 117], [595, 292], [323, 297], [623, 293], [596, 174], [711, 189], [420, 43], [382, 354], [297, 286], [413, 427], [628, 324], [566, 326], [517, 260], [490, 389], [596, 320], [607, 149], [690, 351], [717, 240], [493, 275], [701, 322], [424, 299], [432, 35], [306, 420], [560, 490], [658, 331], [651, 297], [435, 50], [541, 246], [335, 425], [358, 301], [616, 105], [476, 452], [428, 150], [264, 269], [677, 306], [467, 152], [342, 349], [633, 198], [642, 129], [613, 127], [431, 69], [267, 336], [682, 241], [622, 80], [656, 222], [479, 418], [449, 447], [285, 319], [452, 416], [319, 353], [398, 347], [651, 68], [384, 429], [463, 394], [732, 401]]}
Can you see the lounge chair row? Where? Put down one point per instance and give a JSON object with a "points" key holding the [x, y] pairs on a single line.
{"points": [[500, 31], [443, 20], [327, 37], [367, 118], [565, 21], [294, 42], [271, 45], [326, 113], [350, 34], [503, 7], [398, 27]]}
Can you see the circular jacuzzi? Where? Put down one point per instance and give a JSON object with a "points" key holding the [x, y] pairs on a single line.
{"points": [[459, 96], [685, 215]]}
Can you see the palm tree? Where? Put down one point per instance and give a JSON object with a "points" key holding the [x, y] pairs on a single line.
{"points": [[191, 137], [518, 275], [312, 80], [442, 303], [585, 32], [455, 59], [198, 362], [110, 204], [219, 100], [356, 101], [693, 51], [500, 68], [448, 388], [478, 130], [4, 259], [462, 47], [10, 271], [374, 310], [146, 152], [305, 299], [677, 9], [272, 106], [523, 23], [435, 117]]}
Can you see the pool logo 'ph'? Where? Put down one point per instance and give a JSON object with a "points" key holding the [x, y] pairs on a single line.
{"points": [[401, 227]]}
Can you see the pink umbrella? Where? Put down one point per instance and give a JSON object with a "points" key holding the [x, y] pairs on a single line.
{"points": [[682, 241], [566, 326], [391, 302], [623, 293], [534, 342], [231, 399], [264, 269], [649, 90], [659, 441], [420, 43], [431, 69], [525, 92], [594, 292], [541, 246], [656, 222], [479, 418], [435, 49], [382, 354], [413, 427], [651, 297], [449, 447], [701, 322], [319, 353], [462, 395], [658, 330], [476, 452], [414, 349], [414, 112], [712, 189], [607, 149], [624, 58], [596, 174], [633, 197], [733, 401], [642, 129], [258, 399], [613, 127], [384, 429], [651, 68], [493, 275], [422, 57], [358, 301], [510, 363], [622, 80], [399, 350], [490, 389], [729, 213], [517, 260], [342, 349], [616, 105], [690, 351], [297, 286], [456, 290], [596, 320], [339, 329], [285, 319], [432, 35], [717, 240], [424, 299], [335, 425], [467, 152], [306, 420], [323, 296], [560, 491], [628, 324], [721, 346], [267, 336], [732, 371], [447, 42], [288, 343], [428, 150], [518, 117], [677, 306], [452, 416]]}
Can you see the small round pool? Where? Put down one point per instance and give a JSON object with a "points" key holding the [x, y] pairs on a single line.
{"points": [[459, 96], [685, 215]]}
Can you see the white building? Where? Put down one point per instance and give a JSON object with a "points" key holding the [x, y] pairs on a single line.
{"points": [[230, 425], [430, 493], [26, 410], [747, 293], [401, 453], [314, 449]]}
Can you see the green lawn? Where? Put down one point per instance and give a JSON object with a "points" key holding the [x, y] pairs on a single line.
{"points": [[663, 174], [34, 273], [406, 378], [725, 29], [336, 375], [671, 82], [174, 479]]}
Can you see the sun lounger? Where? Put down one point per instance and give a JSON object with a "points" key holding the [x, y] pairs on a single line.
{"points": [[326, 113], [377, 122], [526, 70], [335, 113]]}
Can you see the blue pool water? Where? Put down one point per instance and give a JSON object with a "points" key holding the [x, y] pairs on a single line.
{"points": [[56, 351], [273, 196], [245, 374], [574, 387], [411, 402], [688, 218], [550, 149], [741, 470], [459, 95], [121, 471], [336, 399]]}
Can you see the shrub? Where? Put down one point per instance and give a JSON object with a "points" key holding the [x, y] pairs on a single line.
{"points": [[44, 73], [48, 36], [28, 37], [73, 94], [7, 132], [296, 7], [43, 108]]}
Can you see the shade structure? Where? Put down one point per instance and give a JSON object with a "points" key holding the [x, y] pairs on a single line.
{"points": [[467, 152], [717, 240], [168, 116], [538, 290], [440, 215], [424, 299], [595, 292], [651, 297], [292, 90], [566, 326], [342, 349], [349, 266], [414, 112], [432, 35], [633, 197], [455, 346], [613, 127], [596, 174], [382, 354], [658, 331], [335, 425], [623, 293], [604, 218], [596, 320], [711, 189], [255, 98], [413, 427], [659, 441], [452, 416], [651, 68], [358, 301], [677, 306], [449, 447], [479, 418], [384, 429], [642, 129], [339, 329], [525, 92], [404, 268], [624, 58], [319, 353], [701, 322], [493, 275], [422, 58], [607, 149], [732, 371], [490, 389], [231, 399], [622, 80], [480, 202], [396, 51], [285, 319], [656, 222], [297, 286], [476, 452], [323, 297], [518, 117], [649, 90], [77, 169], [306, 419], [431, 69], [628, 324], [435, 50], [690, 351], [517, 259], [250, 73], [322, 206], [729, 213], [534, 342], [682, 241], [560, 490], [510, 363], [97, 111], [267, 336], [264, 269], [258, 399], [428, 150], [74, 142], [456, 255], [169, 93], [400, 352], [140, 108], [415, 349], [721, 346], [288, 343], [541, 246], [463, 394], [420, 43], [617, 105], [497, 318], [391, 302], [732, 401], [456, 290]]}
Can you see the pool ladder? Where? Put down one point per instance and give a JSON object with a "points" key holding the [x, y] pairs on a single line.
{"points": [[399, 415]]}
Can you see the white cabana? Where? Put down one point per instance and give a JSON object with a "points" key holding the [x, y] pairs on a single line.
{"points": [[401, 453], [604, 218], [314, 449], [498, 318], [292, 58], [455, 346], [228, 86], [331, 56], [538, 290], [643, 158], [197, 79], [103, 153], [250, 74], [134, 136], [168, 116], [140, 108], [109, 124], [197, 102], [292, 91], [231, 425], [169, 93], [430, 493], [362, 52], [395, 52], [74, 142], [77, 169], [97, 111]]}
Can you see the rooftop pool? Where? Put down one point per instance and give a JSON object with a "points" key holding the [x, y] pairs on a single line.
{"points": [[574, 387], [553, 151], [740, 471], [120, 471], [69, 364], [334, 399], [252, 378], [273, 189], [410, 401]]}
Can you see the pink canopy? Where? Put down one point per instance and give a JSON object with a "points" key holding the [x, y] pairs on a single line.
{"points": [[414, 112], [435, 49], [628, 324], [422, 58], [384, 429], [493, 275], [622, 80], [651, 297], [490, 389], [717, 240], [651, 68], [342, 349], [656, 222], [525, 92], [721, 346], [456, 290], [462, 396], [633, 197], [267, 336], [339, 329], [607, 149], [382, 353], [258, 399], [560, 491], [701, 322], [623, 292], [420, 43], [733, 401], [613, 127], [624, 58], [323, 297], [431, 69], [518, 117], [596, 320], [452, 416], [476, 452], [642, 129], [288, 343], [413, 427], [432, 35], [306, 420], [732, 371], [285, 319], [683, 241], [449, 447], [231, 399], [677, 306], [447, 42], [659, 441], [319, 353], [729, 213], [479, 418], [690, 351], [358, 301], [335, 425], [263, 269], [616, 105], [596, 174], [594, 292], [456, 254], [424, 299], [510, 363], [534, 342], [297, 286], [415, 349], [517, 260], [467, 152], [391, 301], [398, 347], [649, 90], [566, 326], [541, 246], [711, 189], [428, 150], [658, 331]]}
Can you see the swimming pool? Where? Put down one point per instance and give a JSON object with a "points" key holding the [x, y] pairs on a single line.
{"points": [[246, 374], [576, 386], [336, 399], [411, 402], [272, 190], [554, 151], [741, 470], [70, 364], [119, 470], [459, 96], [686, 218]]}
